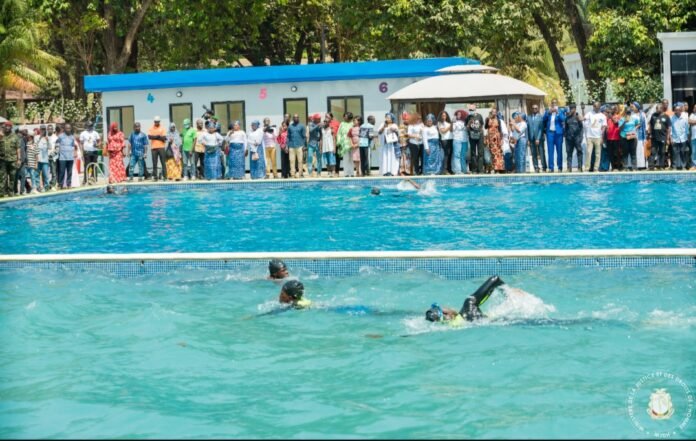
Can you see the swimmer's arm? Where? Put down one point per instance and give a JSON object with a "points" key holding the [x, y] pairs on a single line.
{"points": [[410, 181]]}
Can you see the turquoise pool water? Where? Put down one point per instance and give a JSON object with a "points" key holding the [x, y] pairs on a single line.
{"points": [[183, 355], [453, 216]]}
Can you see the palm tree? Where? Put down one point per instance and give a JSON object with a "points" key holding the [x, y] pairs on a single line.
{"points": [[23, 65]]}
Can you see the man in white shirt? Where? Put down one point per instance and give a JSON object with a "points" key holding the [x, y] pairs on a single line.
{"points": [[415, 144], [595, 126], [52, 156], [90, 142]]}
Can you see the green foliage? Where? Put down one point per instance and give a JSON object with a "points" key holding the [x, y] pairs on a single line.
{"points": [[65, 109], [640, 87]]}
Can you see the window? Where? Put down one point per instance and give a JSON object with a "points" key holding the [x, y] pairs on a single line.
{"points": [[124, 116], [683, 77], [338, 105], [229, 111], [178, 113], [292, 106]]}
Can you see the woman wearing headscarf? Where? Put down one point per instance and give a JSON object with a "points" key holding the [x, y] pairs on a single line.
{"points": [[237, 140], [173, 164], [389, 131], [432, 159], [212, 141], [343, 145], [494, 140], [257, 160], [115, 143]]}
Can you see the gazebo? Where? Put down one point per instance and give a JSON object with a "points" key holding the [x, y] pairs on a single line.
{"points": [[467, 84]]}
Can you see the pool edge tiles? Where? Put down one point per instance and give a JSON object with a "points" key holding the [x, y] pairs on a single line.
{"points": [[531, 178], [449, 265]]}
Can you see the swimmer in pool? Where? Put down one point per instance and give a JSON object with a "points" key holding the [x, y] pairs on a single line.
{"points": [[110, 189], [470, 309], [292, 294], [277, 270], [376, 191]]}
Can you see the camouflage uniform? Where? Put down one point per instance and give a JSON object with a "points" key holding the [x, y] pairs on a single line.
{"points": [[8, 164]]}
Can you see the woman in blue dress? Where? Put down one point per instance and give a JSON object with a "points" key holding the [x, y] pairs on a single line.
{"points": [[257, 161], [211, 162], [237, 141], [432, 162]]}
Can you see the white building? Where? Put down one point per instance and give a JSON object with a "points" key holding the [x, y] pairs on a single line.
{"points": [[576, 76], [253, 93], [679, 66]]}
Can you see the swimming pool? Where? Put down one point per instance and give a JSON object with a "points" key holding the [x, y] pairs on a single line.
{"points": [[183, 355], [456, 214]]}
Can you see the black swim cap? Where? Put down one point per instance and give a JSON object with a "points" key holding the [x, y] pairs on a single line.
{"points": [[434, 314], [294, 288], [375, 191], [275, 266]]}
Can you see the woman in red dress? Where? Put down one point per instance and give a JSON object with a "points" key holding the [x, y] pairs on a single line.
{"points": [[115, 144]]}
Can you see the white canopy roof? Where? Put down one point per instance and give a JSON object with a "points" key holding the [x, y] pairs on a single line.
{"points": [[464, 87], [468, 68]]}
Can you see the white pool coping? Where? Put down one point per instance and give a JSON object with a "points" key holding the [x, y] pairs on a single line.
{"points": [[338, 255]]}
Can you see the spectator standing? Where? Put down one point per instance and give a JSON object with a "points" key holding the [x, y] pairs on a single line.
{"points": [[659, 134], [297, 138], [314, 145], [535, 137], [237, 141], [173, 153], [138, 143], [390, 142], [199, 149], [67, 148], [595, 127], [44, 170], [257, 158], [460, 143], [188, 143], [519, 133], [680, 138], [270, 143], [415, 143], [573, 137], [475, 126], [554, 121], [444, 127], [115, 143], [90, 141], [367, 140], [158, 138]]}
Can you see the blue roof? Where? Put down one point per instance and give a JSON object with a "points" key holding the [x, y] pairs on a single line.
{"points": [[271, 74]]}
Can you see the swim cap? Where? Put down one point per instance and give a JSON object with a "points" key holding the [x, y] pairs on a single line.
{"points": [[375, 191], [294, 288], [434, 314], [275, 266]]}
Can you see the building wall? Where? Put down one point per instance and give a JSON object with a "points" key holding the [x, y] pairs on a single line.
{"points": [[673, 41], [261, 100]]}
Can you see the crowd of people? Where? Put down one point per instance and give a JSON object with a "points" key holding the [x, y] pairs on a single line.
{"points": [[608, 137]]}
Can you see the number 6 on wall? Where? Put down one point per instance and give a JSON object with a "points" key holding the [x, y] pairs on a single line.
{"points": [[383, 87]]}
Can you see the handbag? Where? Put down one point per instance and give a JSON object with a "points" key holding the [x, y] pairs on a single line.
{"points": [[391, 137], [169, 153]]}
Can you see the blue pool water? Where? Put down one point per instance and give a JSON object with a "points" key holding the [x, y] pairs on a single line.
{"points": [[649, 214], [183, 355]]}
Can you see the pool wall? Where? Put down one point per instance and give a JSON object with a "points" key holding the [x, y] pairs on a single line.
{"points": [[454, 265]]}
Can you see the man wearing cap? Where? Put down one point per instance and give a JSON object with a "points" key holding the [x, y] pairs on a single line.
{"points": [[314, 145], [158, 137], [41, 140], [9, 160], [90, 142], [190, 136], [573, 133]]}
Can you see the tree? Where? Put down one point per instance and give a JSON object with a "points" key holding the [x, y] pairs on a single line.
{"points": [[25, 66]]}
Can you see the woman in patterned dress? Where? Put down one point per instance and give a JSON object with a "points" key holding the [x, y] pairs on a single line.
{"points": [[114, 147], [494, 141], [174, 163]]}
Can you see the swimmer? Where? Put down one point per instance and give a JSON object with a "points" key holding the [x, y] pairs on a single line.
{"points": [[277, 270], [415, 185], [110, 189], [292, 294], [470, 309], [375, 191]]}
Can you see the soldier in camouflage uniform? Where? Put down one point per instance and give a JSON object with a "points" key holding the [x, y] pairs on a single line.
{"points": [[9, 160]]}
